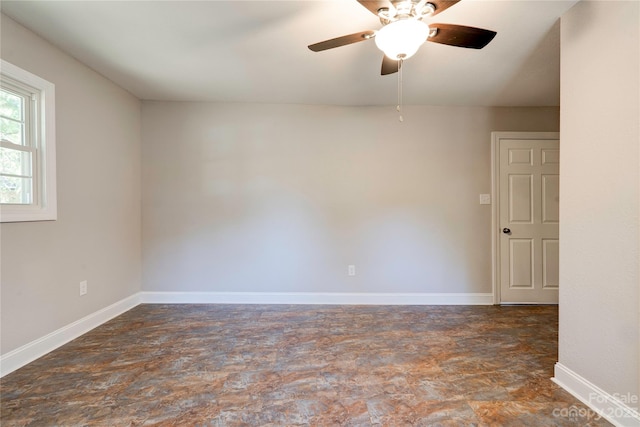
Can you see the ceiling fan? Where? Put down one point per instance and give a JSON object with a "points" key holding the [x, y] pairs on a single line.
{"points": [[404, 30]]}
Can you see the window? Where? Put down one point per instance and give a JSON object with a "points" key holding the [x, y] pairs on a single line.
{"points": [[27, 146]]}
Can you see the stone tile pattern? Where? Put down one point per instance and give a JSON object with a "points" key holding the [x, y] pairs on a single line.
{"points": [[285, 365]]}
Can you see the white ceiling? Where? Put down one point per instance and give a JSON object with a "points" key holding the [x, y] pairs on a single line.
{"points": [[256, 51]]}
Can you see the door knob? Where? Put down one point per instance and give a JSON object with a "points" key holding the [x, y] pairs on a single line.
{"points": [[506, 231]]}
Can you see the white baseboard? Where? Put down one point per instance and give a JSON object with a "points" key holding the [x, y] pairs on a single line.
{"points": [[314, 298], [611, 407], [21, 356]]}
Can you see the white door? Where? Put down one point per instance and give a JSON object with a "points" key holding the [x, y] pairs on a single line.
{"points": [[528, 185]]}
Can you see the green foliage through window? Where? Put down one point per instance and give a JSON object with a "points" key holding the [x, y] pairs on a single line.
{"points": [[16, 179]]}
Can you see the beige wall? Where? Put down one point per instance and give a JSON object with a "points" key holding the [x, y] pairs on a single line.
{"points": [[97, 234], [599, 202], [281, 198]]}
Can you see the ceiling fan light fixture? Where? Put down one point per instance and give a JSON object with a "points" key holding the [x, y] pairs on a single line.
{"points": [[402, 39]]}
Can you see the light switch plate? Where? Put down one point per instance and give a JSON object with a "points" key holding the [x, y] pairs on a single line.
{"points": [[485, 199]]}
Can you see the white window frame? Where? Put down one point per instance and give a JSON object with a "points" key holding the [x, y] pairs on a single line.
{"points": [[44, 204]]}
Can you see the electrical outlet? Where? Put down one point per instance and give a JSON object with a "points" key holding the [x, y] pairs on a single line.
{"points": [[83, 287], [351, 270]]}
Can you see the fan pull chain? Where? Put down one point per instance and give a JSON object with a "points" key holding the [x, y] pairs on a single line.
{"points": [[399, 107]]}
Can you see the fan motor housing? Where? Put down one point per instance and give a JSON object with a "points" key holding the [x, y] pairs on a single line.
{"points": [[405, 9]]}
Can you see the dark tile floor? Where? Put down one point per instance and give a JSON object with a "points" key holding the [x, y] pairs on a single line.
{"points": [[259, 365]]}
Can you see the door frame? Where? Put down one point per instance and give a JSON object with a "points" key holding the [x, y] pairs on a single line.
{"points": [[496, 137]]}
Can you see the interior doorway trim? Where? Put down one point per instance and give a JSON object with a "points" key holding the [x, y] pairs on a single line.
{"points": [[496, 137]]}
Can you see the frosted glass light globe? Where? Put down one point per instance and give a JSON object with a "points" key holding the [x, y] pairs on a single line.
{"points": [[402, 39]]}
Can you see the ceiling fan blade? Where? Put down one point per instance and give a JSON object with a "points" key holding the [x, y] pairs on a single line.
{"points": [[442, 5], [375, 5], [342, 41], [389, 66], [461, 36]]}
